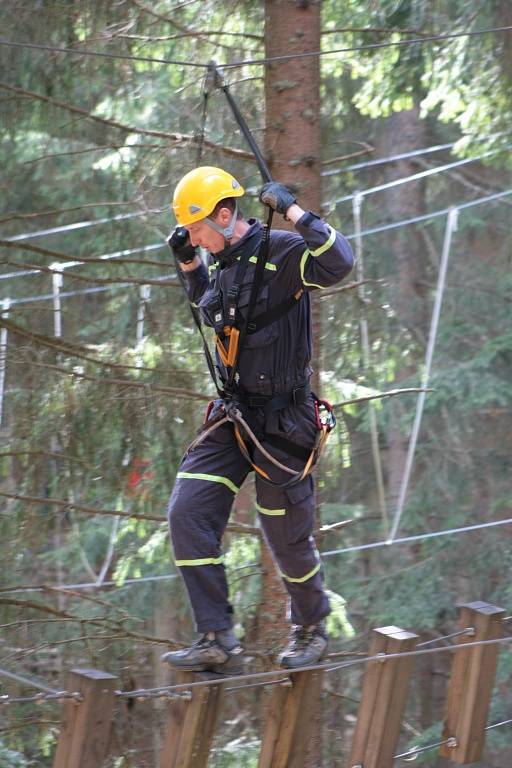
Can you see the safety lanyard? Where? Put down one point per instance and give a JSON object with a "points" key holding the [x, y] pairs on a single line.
{"points": [[214, 79]]}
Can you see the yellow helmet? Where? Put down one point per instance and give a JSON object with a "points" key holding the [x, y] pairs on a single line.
{"points": [[199, 191]]}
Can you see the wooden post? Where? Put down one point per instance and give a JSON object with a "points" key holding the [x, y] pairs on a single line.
{"points": [[86, 724], [191, 725], [471, 683], [383, 700], [290, 718]]}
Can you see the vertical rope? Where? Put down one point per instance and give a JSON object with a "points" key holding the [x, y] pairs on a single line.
{"points": [[451, 227], [57, 280], [365, 345], [6, 304], [144, 296]]}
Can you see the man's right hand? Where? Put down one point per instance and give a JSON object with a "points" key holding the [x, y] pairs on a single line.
{"points": [[180, 245]]}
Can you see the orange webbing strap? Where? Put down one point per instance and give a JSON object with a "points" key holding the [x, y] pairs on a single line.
{"points": [[228, 358], [313, 456], [245, 452]]}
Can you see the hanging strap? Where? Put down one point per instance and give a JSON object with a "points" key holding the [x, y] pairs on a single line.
{"points": [[197, 320]]}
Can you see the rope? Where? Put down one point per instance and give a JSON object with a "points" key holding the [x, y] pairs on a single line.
{"points": [[451, 227], [367, 47], [498, 725], [470, 631], [60, 266], [81, 225], [327, 667], [41, 698], [411, 753], [364, 233], [366, 357], [107, 219], [102, 54], [413, 177], [418, 537], [450, 742], [253, 62], [265, 677]]}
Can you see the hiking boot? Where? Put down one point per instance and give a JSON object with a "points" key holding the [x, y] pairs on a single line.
{"points": [[208, 654], [307, 645]]}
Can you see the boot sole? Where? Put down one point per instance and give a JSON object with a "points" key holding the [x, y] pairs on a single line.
{"points": [[284, 665]]}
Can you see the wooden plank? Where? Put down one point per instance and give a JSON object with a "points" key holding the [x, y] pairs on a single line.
{"points": [[290, 719], [191, 726], [177, 710], [85, 732], [273, 720], [369, 694], [383, 700], [471, 683]]}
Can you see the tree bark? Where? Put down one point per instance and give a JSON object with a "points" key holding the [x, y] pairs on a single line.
{"points": [[293, 151]]}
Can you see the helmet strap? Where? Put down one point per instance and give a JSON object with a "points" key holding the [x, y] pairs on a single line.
{"points": [[226, 232]]}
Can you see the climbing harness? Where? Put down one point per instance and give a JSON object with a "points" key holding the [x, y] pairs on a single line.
{"points": [[232, 328], [325, 422]]}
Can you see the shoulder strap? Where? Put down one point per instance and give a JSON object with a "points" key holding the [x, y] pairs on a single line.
{"points": [[282, 309], [257, 279]]}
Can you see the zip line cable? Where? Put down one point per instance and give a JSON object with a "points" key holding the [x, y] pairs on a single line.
{"points": [[413, 177], [81, 225], [26, 681], [367, 47], [417, 537], [252, 62], [451, 227], [323, 555], [94, 222], [366, 232], [270, 675], [373, 230]]}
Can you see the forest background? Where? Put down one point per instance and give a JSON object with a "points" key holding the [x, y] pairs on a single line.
{"points": [[102, 377]]}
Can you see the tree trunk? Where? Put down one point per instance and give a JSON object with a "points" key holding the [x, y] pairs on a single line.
{"points": [[293, 151]]}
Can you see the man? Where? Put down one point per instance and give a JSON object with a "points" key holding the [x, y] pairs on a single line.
{"points": [[268, 420]]}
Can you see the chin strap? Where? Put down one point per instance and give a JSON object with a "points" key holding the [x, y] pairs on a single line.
{"points": [[226, 232]]}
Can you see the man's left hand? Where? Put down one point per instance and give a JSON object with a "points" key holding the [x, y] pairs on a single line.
{"points": [[277, 196]]}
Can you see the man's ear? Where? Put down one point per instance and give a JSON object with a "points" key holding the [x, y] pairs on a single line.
{"points": [[224, 217]]}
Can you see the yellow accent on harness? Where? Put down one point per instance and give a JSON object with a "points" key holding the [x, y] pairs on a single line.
{"points": [[201, 561], [302, 578], [273, 512], [210, 478]]}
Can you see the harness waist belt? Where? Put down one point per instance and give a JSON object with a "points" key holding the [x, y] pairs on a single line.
{"points": [[296, 396]]}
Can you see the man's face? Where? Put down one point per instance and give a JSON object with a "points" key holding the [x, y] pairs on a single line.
{"points": [[201, 234]]}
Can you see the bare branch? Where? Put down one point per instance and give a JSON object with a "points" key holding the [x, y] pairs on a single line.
{"points": [[368, 149], [128, 280], [65, 505], [177, 139], [22, 246], [65, 347], [105, 148], [58, 211], [381, 395]]}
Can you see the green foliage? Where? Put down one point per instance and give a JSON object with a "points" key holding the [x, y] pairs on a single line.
{"points": [[77, 421], [10, 759]]}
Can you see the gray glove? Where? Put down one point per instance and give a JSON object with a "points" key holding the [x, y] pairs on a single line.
{"points": [[277, 196], [180, 245]]}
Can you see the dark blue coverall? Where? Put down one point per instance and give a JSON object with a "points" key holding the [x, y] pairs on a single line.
{"points": [[273, 361]]}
